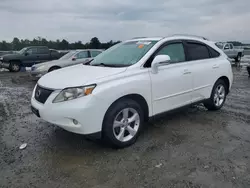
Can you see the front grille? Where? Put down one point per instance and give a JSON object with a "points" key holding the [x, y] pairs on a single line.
{"points": [[42, 94]]}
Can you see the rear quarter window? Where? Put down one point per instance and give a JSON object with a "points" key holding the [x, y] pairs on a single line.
{"points": [[197, 51], [213, 52]]}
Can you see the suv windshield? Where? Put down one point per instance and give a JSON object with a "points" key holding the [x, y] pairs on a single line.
{"points": [[68, 55], [123, 54], [219, 45], [22, 51]]}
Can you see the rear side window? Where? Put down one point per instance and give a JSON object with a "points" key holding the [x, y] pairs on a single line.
{"points": [[81, 55], [197, 51], [175, 51], [213, 52], [95, 53], [42, 50]]}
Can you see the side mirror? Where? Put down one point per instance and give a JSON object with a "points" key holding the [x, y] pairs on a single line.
{"points": [[26, 53], [159, 60], [226, 48], [73, 58]]}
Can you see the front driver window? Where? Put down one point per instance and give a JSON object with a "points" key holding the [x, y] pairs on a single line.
{"points": [[226, 47], [174, 51], [32, 51]]}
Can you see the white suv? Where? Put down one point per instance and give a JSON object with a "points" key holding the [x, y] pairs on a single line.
{"points": [[131, 82]]}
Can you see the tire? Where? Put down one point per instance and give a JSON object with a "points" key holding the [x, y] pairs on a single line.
{"points": [[112, 132], [218, 96], [238, 58], [53, 68], [248, 70], [14, 66]]}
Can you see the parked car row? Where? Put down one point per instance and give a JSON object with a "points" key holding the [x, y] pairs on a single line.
{"points": [[71, 58], [131, 82], [35, 56], [28, 57]]}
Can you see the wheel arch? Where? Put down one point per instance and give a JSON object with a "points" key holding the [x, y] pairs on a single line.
{"points": [[137, 98], [227, 82], [16, 61], [54, 66]]}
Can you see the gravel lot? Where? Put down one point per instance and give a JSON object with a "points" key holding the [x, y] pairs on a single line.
{"points": [[188, 148]]}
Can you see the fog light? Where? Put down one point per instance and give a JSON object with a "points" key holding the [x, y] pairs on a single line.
{"points": [[75, 121]]}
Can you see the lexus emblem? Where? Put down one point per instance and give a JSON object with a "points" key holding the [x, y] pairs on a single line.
{"points": [[38, 93]]}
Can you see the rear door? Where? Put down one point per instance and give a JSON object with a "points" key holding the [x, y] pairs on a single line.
{"points": [[43, 54], [202, 59], [227, 50]]}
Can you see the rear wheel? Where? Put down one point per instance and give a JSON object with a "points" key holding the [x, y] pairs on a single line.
{"points": [[15, 66], [248, 70], [238, 58], [123, 123], [218, 96]]}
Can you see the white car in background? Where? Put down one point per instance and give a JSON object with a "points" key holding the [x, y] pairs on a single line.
{"points": [[73, 57], [131, 82]]}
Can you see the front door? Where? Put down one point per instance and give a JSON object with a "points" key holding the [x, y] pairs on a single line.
{"points": [[43, 54], [227, 50], [172, 85], [31, 57]]}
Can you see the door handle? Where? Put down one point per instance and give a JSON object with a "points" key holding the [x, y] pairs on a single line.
{"points": [[215, 66], [186, 71]]}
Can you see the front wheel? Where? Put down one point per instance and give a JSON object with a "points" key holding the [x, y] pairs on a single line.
{"points": [[248, 70], [123, 123], [218, 96], [15, 67], [53, 69]]}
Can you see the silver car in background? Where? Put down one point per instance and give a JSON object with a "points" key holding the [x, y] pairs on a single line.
{"points": [[231, 51], [73, 57]]}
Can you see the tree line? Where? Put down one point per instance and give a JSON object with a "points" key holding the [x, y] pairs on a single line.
{"points": [[18, 44]]}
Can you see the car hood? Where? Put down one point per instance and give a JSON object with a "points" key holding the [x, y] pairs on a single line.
{"points": [[11, 56], [77, 75], [48, 63]]}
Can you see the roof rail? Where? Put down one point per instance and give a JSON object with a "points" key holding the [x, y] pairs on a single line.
{"points": [[138, 37], [188, 35]]}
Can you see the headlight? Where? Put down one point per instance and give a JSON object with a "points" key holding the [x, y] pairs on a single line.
{"points": [[40, 67], [74, 93]]}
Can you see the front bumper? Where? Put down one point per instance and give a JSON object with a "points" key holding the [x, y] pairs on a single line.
{"points": [[37, 74], [87, 111], [4, 64]]}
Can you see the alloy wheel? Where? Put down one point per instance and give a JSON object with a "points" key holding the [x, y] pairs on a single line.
{"points": [[126, 124], [219, 95]]}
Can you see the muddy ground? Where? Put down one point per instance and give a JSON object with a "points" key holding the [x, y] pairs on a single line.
{"points": [[188, 148]]}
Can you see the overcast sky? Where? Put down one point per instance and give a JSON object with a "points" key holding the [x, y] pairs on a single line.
{"points": [[123, 19]]}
